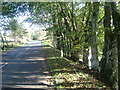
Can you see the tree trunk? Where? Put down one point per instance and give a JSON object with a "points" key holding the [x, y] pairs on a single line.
{"points": [[109, 61], [2, 42], [94, 50], [86, 36], [115, 44], [106, 49]]}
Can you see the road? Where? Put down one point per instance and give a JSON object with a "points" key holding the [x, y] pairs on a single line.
{"points": [[25, 68]]}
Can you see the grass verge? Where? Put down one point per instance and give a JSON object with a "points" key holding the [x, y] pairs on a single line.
{"points": [[68, 74], [12, 46]]}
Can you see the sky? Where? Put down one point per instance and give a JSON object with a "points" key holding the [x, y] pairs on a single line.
{"points": [[31, 27], [28, 25]]}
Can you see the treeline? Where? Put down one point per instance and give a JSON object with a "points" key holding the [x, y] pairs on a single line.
{"points": [[87, 32], [11, 33]]}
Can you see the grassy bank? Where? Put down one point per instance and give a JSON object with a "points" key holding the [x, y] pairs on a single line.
{"points": [[11, 46], [68, 74]]}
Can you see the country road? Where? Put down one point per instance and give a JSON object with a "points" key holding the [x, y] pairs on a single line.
{"points": [[25, 68]]}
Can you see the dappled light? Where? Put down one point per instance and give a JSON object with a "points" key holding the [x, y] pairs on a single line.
{"points": [[54, 45], [68, 74], [26, 71]]}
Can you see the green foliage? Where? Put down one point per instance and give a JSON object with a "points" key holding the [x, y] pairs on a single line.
{"points": [[36, 35], [17, 31], [11, 45], [71, 28], [11, 9]]}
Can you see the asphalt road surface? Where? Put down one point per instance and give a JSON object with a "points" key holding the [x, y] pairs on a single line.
{"points": [[25, 68]]}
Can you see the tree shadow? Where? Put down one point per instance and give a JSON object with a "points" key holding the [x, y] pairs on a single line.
{"points": [[54, 56], [27, 70]]}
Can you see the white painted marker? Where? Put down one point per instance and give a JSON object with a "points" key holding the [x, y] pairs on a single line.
{"points": [[4, 65]]}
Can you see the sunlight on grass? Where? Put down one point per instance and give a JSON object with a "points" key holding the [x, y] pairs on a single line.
{"points": [[12, 46], [69, 74], [66, 76], [53, 57]]}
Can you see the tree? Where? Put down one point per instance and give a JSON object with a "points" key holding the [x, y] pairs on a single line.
{"points": [[109, 62], [3, 31], [17, 31], [94, 50], [77, 29]]}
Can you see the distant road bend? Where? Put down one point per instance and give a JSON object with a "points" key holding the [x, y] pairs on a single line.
{"points": [[25, 67]]}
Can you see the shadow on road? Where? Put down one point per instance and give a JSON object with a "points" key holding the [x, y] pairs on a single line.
{"points": [[28, 71]]}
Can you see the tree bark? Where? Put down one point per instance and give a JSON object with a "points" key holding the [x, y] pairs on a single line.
{"points": [[94, 50], [115, 43], [109, 61], [86, 36]]}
